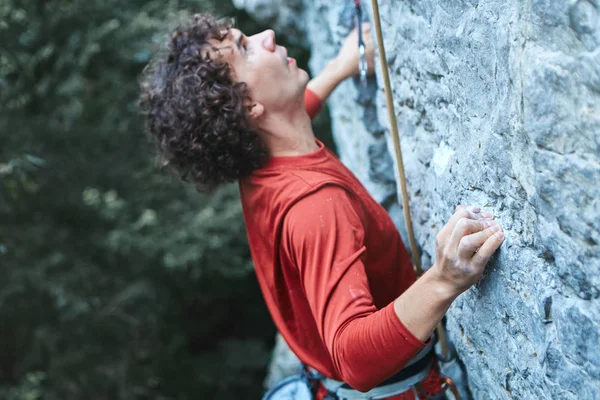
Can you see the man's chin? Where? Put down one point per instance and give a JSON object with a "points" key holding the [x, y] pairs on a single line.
{"points": [[305, 75]]}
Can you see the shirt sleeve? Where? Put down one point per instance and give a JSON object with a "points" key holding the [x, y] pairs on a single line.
{"points": [[312, 102], [324, 236]]}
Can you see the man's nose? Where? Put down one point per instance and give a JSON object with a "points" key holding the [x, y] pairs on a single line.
{"points": [[268, 39]]}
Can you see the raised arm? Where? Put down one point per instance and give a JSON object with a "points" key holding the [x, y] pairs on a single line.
{"points": [[343, 66]]}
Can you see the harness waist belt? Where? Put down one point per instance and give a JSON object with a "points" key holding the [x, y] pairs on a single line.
{"points": [[415, 371]]}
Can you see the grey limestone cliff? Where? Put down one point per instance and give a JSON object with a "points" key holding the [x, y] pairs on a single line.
{"points": [[498, 105]]}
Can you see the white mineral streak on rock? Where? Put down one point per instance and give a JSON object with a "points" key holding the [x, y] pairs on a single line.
{"points": [[441, 158]]}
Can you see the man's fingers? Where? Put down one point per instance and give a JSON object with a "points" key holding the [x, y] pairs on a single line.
{"points": [[488, 248], [474, 209], [469, 244], [464, 227], [462, 211]]}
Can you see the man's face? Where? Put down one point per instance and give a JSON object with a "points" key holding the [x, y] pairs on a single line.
{"points": [[274, 80]]}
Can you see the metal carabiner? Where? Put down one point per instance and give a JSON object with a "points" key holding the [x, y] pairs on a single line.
{"points": [[362, 63], [447, 384]]}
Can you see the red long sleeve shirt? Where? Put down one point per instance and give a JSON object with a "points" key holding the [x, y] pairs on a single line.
{"points": [[330, 263]]}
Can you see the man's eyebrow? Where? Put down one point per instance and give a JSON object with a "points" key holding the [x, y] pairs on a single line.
{"points": [[238, 41]]}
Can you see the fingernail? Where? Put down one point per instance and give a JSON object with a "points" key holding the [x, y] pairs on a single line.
{"points": [[499, 234], [476, 210], [494, 228], [487, 214]]}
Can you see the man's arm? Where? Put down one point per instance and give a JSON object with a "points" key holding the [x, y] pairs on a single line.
{"points": [[463, 248], [327, 80], [328, 247], [344, 65]]}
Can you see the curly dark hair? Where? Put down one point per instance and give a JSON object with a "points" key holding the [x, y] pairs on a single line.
{"points": [[194, 110]]}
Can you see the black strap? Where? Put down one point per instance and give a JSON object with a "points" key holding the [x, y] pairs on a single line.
{"points": [[406, 372]]}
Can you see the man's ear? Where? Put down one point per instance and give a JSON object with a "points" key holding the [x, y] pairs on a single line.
{"points": [[255, 110]]}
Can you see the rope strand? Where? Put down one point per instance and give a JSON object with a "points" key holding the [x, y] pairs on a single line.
{"points": [[416, 255], [400, 165]]}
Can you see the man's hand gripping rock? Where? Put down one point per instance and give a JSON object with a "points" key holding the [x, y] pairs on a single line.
{"points": [[464, 247]]}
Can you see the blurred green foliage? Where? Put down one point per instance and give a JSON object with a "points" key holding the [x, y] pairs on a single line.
{"points": [[116, 282]]}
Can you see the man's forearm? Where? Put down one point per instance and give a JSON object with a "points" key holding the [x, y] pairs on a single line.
{"points": [[323, 84], [422, 306]]}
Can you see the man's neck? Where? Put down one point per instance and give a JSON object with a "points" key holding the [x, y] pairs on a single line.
{"points": [[289, 135]]}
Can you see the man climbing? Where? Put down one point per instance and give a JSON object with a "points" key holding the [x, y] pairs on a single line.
{"points": [[332, 268]]}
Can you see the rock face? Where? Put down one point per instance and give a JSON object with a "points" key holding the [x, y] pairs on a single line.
{"points": [[498, 105]]}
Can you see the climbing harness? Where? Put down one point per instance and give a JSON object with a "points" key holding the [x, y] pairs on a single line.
{"points": [[305, 383], [414, 372], [447, 384], [362, 63]]}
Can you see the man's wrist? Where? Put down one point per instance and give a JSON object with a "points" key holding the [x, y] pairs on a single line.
{"points": [[423, 304], [338, 70], [444, 290]]}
